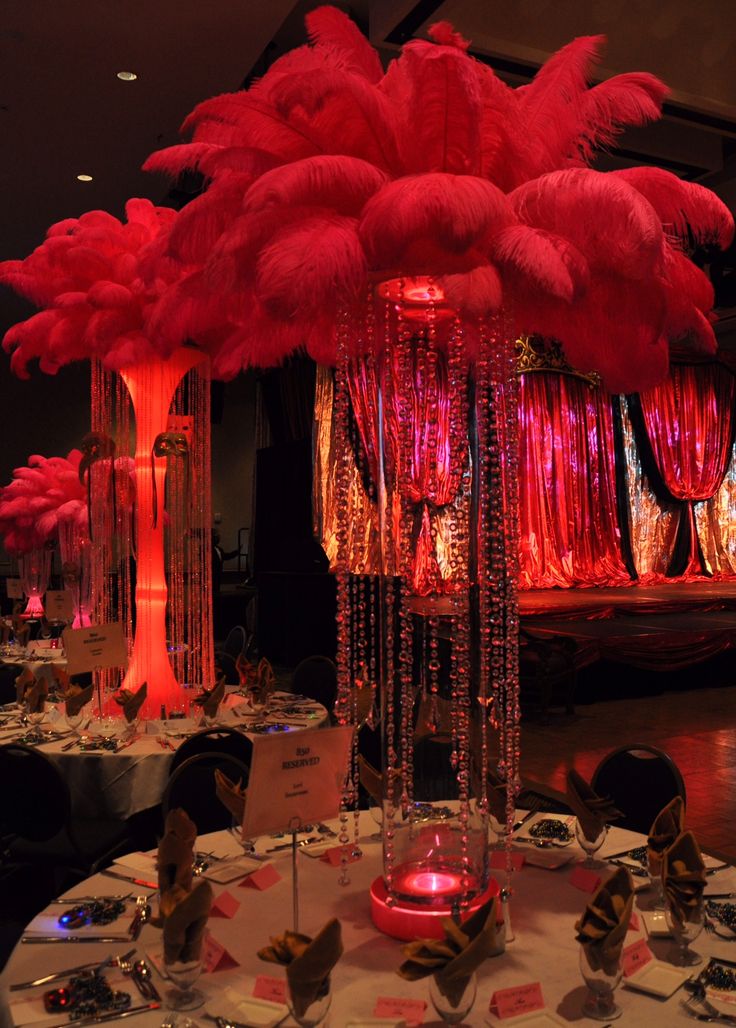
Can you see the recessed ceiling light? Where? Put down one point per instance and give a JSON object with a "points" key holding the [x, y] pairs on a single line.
{"points": [[127, 76], [84, 178]]}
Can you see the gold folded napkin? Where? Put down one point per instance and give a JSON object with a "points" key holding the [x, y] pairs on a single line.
{"points": [[308, 961], [5, 631], [231, 796], [131, 702], [667, 825], [265, 680], [185, 925], [602, 928], [23, 683], [371, 780], [21, 631], [176, 852], [453, 960], [683, 877], [210, 699], [34, 695], [76, 697], [592, 811]]}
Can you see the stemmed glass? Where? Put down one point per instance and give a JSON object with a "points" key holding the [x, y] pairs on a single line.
{"points": [[600, 1004], [75, 720], [686, 931], [453, 1011], [654, 869], [316, 1012], [183, 995], [589, 846]]}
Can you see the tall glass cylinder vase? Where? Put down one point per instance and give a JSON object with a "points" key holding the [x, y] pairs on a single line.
{"points": [[425, 418], [34, 568], [75, 550]]}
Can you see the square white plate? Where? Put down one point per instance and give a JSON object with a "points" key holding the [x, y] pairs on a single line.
{"points": [[658, 979], [549, 859], [535, 1019], [655, 923]]}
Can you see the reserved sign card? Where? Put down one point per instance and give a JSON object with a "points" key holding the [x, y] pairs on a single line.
{"points": [[520, 1000], [14, 588], [296, 778], [635, 956], [59, 605], [90, 648]]}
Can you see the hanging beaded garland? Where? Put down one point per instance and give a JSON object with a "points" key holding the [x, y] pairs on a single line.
{"points": [[424, 435]]}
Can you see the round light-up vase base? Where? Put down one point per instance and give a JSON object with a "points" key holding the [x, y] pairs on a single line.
{"points": [[406, 921]]}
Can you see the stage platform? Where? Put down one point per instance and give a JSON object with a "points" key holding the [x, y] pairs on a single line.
{"points": [[658, 628], [628, 600]]}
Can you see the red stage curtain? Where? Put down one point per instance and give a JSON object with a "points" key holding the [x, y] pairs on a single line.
{"points": [[569, 526], [689, 427]]}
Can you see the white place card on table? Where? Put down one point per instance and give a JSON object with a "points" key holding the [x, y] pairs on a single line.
{"points": [[99, 646], [296, 778], [59, 605]]}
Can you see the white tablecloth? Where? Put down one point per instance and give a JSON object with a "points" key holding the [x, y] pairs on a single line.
{"points": [[116, 785], [544, 909]]}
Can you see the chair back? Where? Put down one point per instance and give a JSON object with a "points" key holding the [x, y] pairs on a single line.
{"points": [[225, 665], [36, 804], [316, 677], [192, 787], [218, 739], [235, 641], [640, 780]]}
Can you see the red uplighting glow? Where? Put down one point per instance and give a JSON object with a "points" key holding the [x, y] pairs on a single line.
{"points": [[430, 883], [420, 920]]}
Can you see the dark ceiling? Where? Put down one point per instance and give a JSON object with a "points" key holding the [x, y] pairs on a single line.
{"points": [[64, 111]]}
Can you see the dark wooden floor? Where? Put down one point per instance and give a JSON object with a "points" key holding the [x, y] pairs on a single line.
{"points": [[696, 727]]}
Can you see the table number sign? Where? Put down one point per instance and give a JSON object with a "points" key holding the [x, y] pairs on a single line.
{"points": [[14, 588], [99, 646], [635, 956], [522, 999], [584, 879], [261, 879], [59, 605], [214, 955], [336, 854], [411, 1010], [225, 905], [272, 989], [296, 778]]}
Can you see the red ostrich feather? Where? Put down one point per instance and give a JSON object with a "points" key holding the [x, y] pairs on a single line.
{"points": [[328, 175], [42, 495], [99, 279]]}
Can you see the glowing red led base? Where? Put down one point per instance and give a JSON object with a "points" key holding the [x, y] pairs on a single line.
{"points": [[406, 920]]}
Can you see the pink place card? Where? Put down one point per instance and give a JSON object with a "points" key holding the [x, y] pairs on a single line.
{"points": [[214, 955], [334, 855], [584, 879], [522, 999], [273, 989], [635, 956], [261, 879], [411, 1010], [498, 860], [225, 905], [634, 923]]}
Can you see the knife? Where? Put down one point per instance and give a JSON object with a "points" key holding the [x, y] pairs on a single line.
{"points": [[74, 938], [288, 845], [517, 824], [130, 878], [116, 1015]]}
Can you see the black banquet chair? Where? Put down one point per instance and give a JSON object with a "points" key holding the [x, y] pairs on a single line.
{"points": [[235, 642], [640, 780], [36, 821], [214, 740], [316, 677], [192, 787]]}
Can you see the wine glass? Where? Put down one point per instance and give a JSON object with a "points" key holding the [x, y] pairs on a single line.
{"points": [[316, 1012], [599, 1003], [75, 720], [590, 846], [654, 869], [183, 975], [686, 930], [453, 1009]]}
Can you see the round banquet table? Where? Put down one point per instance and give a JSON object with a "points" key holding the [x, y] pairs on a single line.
{"points": [[106, 784], [544, 909]]}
